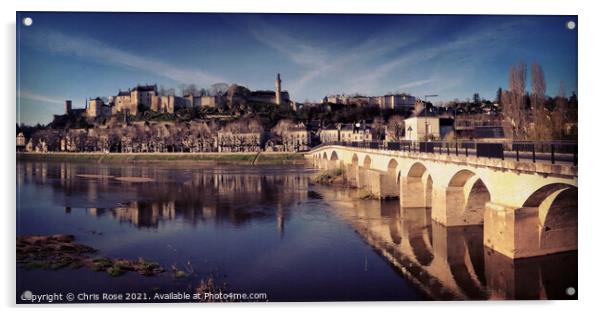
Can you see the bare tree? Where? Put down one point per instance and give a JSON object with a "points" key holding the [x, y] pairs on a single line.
{"points": [[254, 125], [218, 89], [282, 126], [234, 127], [541, 129], [379, 127], [189, 89], [559, 115], [514, 103], [396, 127], [166, 91]]}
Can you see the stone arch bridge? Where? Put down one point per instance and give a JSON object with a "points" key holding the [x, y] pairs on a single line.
{"points": [[527, 208]]}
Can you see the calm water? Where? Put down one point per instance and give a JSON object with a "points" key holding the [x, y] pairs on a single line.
{"points": [[263, 230]]}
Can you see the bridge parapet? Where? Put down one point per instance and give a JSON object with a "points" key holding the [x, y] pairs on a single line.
{"points": [[543, 167]]}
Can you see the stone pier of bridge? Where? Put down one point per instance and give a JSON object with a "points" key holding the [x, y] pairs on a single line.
{"points": [[527, 209]]}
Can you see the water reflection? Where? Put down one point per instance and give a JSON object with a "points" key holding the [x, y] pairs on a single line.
{"points": [[443, 263], [220, 195], [260, 229], [451, 262]]}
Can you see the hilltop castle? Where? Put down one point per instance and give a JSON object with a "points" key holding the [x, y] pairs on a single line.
{"points": [[148, 97]]}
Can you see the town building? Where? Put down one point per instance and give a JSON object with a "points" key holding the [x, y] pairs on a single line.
{"points": [[422, 128], [352, 133], [358, 100], [479, 127], [389, 101], [397, 101], [21, 142], [427, 125], [329, 134], [20, 139], [297, 138], [358, 132], [239, 141]]}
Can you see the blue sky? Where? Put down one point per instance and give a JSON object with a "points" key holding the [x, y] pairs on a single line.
{"points": [[79, 55]]}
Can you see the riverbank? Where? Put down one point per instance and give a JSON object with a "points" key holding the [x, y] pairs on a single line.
{"points": [[263, 158], [338, 178]]}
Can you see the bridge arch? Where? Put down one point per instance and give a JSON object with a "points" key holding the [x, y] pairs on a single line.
{"points": [[391, 184], [466, 198], [416, 170], [416, 187], [460, 178], [355, 160], [392, 167], [556, 206], [367, 162], [323, 160], [334, 161]]}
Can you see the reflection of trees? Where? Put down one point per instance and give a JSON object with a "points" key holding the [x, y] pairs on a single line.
{"points": [[223, 196]]}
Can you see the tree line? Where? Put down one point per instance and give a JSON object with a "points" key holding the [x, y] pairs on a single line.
{"points": [[535, 115]]}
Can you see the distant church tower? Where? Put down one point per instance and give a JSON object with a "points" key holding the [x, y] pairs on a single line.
{"points": [[278, 90]]}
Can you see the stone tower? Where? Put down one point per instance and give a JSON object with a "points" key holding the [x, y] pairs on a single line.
{"points": [[67, 107], [278, 90]]}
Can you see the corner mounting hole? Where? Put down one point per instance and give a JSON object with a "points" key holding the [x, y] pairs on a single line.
{"points": [[571, 25], [570, 291], [27, 21]]}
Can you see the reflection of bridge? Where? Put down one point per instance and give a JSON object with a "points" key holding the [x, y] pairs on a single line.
{"points": [[450, 262], [527, 208]]}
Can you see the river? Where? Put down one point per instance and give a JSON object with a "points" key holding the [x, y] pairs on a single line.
{"points": [[262, 229]]}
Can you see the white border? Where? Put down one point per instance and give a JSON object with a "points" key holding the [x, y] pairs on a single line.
{"points": [[589, 122]]}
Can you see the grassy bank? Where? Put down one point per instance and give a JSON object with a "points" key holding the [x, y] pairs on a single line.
{"points": [[237, 158], [332, 176]]}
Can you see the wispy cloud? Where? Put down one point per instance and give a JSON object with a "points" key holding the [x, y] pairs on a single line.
{"points": [[320, 60], [417, 83], [98, 51], [40, 97], [469, 47], [298, 52], [370, 65]]}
